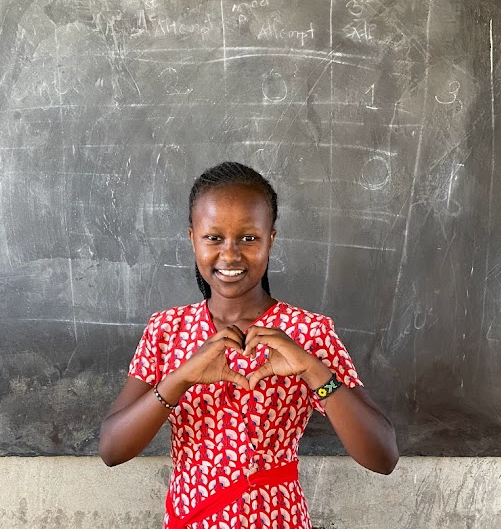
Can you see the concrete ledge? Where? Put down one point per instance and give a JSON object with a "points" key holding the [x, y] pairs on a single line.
{"points": [[422, 493]]}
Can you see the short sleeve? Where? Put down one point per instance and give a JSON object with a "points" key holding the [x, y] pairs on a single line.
{"points": [[144, 362], [330, 350]]}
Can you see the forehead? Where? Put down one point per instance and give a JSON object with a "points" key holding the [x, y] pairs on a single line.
{"points": [[232, 205]]}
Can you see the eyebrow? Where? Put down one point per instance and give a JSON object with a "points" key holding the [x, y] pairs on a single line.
{"points": [[245, 227]]}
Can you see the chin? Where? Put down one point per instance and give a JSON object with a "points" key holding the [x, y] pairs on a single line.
{"points": [[231, 292]]}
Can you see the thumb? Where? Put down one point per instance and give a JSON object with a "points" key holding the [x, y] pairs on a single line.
{"points": [[236, 378], [266, 370]]}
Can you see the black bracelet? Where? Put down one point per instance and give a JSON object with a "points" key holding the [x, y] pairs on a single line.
{"points": [[328, 388], [162, 401]]}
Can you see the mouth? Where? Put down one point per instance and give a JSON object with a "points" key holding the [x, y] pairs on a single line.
{"points": [[230, 274]]}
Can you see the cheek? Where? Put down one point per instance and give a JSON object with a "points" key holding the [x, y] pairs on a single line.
{"points": [[205, 256], [202, 255], [262, 257]]}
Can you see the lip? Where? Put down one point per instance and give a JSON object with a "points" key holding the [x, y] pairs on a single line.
{"points": [[229, 279]]}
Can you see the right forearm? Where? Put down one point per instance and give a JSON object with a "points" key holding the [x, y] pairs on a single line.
{"points": [[127, 431]]}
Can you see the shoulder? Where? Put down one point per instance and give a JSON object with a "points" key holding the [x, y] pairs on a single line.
{"points": [[175, 316], [300, 315], [300, 324]]}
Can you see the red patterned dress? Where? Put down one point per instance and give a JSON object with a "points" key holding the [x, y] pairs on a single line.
{"points": [[221, 432]]}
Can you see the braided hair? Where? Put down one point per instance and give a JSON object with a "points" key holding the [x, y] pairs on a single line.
{"points": [[231, 174]]}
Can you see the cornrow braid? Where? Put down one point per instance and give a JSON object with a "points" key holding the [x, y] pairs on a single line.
{"points": [[231, 174], [203, 286]]}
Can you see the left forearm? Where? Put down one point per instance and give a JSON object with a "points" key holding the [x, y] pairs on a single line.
{"points": [[366, 433]]}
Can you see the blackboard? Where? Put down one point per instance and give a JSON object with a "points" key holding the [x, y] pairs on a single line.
{"points": [[378, 124]]}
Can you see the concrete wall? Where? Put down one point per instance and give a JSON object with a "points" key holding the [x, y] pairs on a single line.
{"points": [[422, 493]]}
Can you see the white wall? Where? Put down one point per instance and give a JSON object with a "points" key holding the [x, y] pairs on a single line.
{"points": [[422, 493]]}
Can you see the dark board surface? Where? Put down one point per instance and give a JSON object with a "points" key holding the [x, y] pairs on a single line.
{"points": [[377, 122]]}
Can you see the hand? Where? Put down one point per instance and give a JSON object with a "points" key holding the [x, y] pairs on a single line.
{"points": [[209, 364], [285, 358]]}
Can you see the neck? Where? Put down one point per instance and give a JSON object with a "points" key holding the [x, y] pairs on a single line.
{"points": [[247, 307]]}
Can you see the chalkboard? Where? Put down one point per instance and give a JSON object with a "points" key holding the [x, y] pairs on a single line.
{"points": [[376, 120]]}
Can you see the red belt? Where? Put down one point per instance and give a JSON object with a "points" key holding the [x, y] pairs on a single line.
{"points": [[223, 497]]}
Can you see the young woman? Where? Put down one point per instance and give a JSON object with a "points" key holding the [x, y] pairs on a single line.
{"points": [[238, 376]]}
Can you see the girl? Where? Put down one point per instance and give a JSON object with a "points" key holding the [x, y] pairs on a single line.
{"points": [[238, 376]]}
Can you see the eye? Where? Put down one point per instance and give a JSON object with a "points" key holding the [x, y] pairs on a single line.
{"points": [[213, 238], [249, 238]]}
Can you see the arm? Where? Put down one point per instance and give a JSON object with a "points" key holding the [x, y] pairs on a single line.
{"points": [[364, 430], [366, 433], [135, 417]]}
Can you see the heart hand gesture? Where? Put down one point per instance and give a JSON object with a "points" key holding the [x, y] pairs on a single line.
{"points": [[209, 364], [285, 358]]}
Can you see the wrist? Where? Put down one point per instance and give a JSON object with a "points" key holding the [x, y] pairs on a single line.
{"points": [[316, 374], [172, 387]]}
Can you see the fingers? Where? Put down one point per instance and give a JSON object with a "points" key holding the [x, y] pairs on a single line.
{"points": [[266, 370], [239, 332], [236, 378], [232, 332], [233, 329], [231, 343], [231, 337], [272, 341], [256, 329]]}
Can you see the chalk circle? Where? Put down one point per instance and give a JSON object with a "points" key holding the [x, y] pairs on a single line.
{"points": [[375, 173], [274, 87], [170, 80]]}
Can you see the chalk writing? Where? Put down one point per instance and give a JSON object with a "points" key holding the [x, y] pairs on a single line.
{"points": [[443, 197], [371, 106], [273, 29], [247, 6], [358, 29], [245, 10], [453, 91], [106, 22], [31, 129], [48, 92], [153, 25], [355, 8]]}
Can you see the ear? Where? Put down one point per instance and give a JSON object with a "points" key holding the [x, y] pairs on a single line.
{"points": [[273, 235], [190, 235]]}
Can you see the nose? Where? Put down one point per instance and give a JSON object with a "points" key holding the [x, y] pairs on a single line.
{"points": [[230, 252]]}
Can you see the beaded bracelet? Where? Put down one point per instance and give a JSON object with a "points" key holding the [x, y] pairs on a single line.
{"points": [[162, 401], [328, 388]]}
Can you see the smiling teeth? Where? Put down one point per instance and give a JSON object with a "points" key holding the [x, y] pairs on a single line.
{"points": [[230, 273]]}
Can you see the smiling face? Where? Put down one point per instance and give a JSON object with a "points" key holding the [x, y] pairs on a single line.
{"points": [[232, 234]]}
